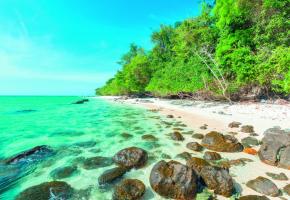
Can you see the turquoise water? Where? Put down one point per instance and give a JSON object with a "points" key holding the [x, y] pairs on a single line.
{"points": [[26, 122]]}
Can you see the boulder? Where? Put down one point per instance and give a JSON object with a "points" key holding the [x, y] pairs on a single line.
{"points": [[96, 162], [111, 174], [250, 141], [247, 129], [173, 180], [177, 136], [129, 189], [280, 177], [224, 143], [184, 155], [210, 155], [286, 189], [47, 190], [63, 172], [234, 124], [132, 157], [194, 146], [198, 136], [264, 186], [170, 116], [253, 197], [197, 164], [275, 148]]}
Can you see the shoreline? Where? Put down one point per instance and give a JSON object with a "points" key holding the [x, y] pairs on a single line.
{"points": [[217, 116]]}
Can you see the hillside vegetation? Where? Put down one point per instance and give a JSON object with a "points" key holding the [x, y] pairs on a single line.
{"points": [[234, 48]]}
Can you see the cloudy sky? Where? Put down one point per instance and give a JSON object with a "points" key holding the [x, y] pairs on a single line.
{"points": [[70, 47]]}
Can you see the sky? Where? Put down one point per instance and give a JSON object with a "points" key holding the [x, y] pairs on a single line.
{"points": [[71, 47]]}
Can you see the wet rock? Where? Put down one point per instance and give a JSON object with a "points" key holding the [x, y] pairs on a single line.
{"points": [[96, 162], [35, 153], [194, 146], [184, 155], [82, 101], [187, 132], [203, 127], [129, 189], [275, 148], [247, 129], [170, 116], [149, 137], [253, 197], [111, 174], [280, 177], [132, 157], [224, 143], [126, 135], [173, 180], [286, 189], [249, 142], [197, 164], [198, 136], [47, 190], [234, 125], [177, 136], [264, 186], [63, 172], [210, 155], [165, 156]]}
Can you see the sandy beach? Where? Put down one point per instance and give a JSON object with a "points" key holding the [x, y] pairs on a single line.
{"points": [[217, 116]]}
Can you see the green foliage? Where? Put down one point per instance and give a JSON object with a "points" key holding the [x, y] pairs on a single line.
{"points": [[232, 43]]}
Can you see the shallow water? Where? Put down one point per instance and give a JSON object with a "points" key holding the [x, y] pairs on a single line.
{"points": [[74, 131]]}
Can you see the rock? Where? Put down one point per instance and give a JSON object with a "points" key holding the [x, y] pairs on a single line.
{"points": [[253, 197], [275, 148], [224, 143], [132, 157], [264, 186], [184, 155], [26, 111], [126, 135], [96, 162], [149, 137], [129, 189], [197, 164], [111, 174], [198, 136], [63, 172], [170, 116], [209, 155], [82, 101], [47, 190], [194, 146], [173, 180], [87, 144], [250, 151], [286, 189], [234, 125], [35, 153], [177, 136], [280, 177], [187, 132], [249, 142], [247, 129], [203, 127]]}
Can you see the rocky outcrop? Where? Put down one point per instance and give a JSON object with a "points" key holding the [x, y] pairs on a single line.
{"points": [[224, 143], [264, 186], [173, 180], [132, 157], [275, 148], [129, 189], [48, 190], [111, 174], [194, 146], [177, 136], [210, 155]]}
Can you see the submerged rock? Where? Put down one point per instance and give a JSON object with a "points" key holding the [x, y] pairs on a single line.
{"points": [[234, 124], [280, 177], [26, 111], [126, 135], [129, 189], [82, 101], [210, 155], [111, 174], [253, 197], [87, 144], [224, 143], [247, 129], [132, 157], [177, 136], [46, 191], [264, 186], [149, 137], [184, 155], [194, 146], [96, 162], [173, 180], [63, 172]]}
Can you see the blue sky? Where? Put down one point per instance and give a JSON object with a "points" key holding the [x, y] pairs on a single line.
{"points": [[70, 47]]}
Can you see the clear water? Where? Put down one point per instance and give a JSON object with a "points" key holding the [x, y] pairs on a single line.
{"points": [[26, 122]]}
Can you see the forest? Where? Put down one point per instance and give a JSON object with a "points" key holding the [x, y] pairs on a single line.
{"points": [[234, 49]]}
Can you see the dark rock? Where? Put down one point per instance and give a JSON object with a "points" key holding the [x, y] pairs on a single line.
{"points": [[187, 132], [209, 155], [165, 156], [47, 190], [177, 136], [197, 164], [247, 129], [170, 116], [129, 189], [112, 174], [234, 125], [194, 146], [82, 101], [264, 186], [204, 127], [198, 136], [35, 153], [96, 162], [184, 155], [224, 143], [253, 197], [132, 157], [286, 189], [126, 135], [280, 177], [173, 180], [249, 142], [63, 172], [149, 137]]}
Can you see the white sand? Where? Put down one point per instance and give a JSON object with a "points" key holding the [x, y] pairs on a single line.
{"points": [[217, 116]]}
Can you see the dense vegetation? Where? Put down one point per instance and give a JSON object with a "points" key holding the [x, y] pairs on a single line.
{"points": [[233, 47]]}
